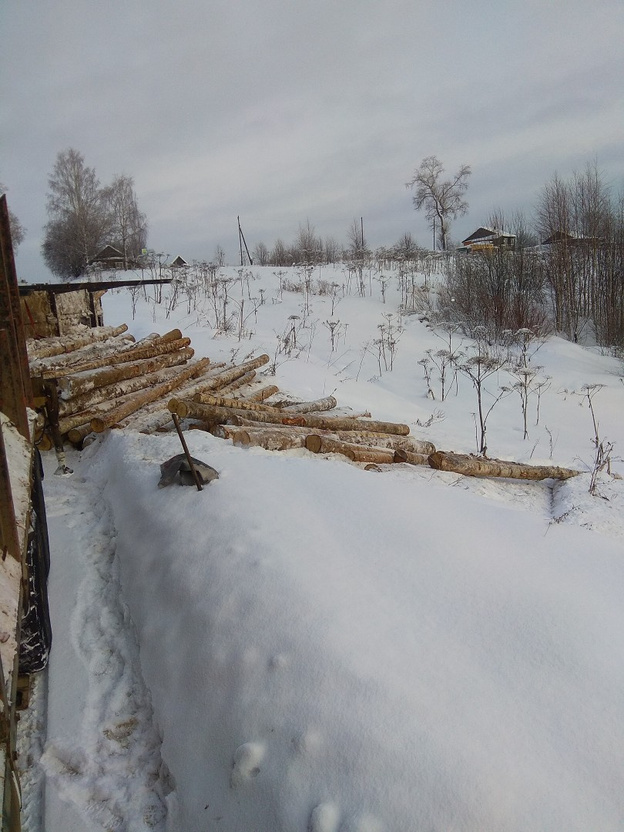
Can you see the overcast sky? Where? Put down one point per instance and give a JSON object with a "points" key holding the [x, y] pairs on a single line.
{"points": [[284, 111]]}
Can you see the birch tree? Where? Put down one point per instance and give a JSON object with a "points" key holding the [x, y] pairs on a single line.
{"points": [[442, 199]]}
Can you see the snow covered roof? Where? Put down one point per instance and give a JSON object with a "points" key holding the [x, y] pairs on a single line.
{"points": [[484, 234]]}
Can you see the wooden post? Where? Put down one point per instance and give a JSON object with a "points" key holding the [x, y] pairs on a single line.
{"points": [[15, 387]]}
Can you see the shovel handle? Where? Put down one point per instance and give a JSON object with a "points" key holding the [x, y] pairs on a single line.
{"points": [[196, 476]]}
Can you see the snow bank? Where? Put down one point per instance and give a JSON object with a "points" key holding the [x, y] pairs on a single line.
{"points": [[333, 649]]}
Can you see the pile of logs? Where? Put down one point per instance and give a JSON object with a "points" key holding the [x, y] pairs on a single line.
{"points": [[359, 439], [101, 378]]}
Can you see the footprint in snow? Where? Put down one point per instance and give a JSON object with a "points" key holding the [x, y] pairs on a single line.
{"points": [[246, 763], [324, 818]]}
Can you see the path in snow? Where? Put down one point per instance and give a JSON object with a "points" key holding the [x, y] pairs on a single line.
{"points": [[111, 770]]}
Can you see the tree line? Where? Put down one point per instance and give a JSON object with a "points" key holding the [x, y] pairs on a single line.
{"points": [[310, 248], [85, 216], [572, 283]]}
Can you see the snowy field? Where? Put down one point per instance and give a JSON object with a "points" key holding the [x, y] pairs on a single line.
{"points": [[307, 646]]}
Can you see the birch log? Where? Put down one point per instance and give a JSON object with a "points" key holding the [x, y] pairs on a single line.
{"points": [[82, 417], [401, 455], [156, 415], [234, 373], [218, 415], [78, 434], [237, 383], [75, 385], [112, 392], [262, 394], [357, 453], [123, 357], [100, 423], [328, 403], [208, 397], [360, 437], [53, 365], [269, 439], [471, 466], [64, 343]]}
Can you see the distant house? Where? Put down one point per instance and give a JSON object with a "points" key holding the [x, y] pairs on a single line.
{"points": [[485, 239], [563, 238], [108, 258], [179, 262]]}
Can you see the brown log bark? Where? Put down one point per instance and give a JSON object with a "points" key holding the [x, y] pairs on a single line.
{"points": [[75, 385], [327, 403], [63, 344], [172, 335], [471, 466], [117, 414]]}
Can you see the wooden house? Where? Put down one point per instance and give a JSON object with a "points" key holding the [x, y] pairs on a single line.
{"points": [[485, 239], [108, 258]]}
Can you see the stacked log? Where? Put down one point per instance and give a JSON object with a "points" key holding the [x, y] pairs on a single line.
{"points": [[102, 378], [360, 440], [101, 373]]}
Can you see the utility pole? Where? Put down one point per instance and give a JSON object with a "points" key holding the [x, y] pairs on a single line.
{"points": [[241, 242]]}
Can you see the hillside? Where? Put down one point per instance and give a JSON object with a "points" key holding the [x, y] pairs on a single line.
{"points": [[307, 645]]}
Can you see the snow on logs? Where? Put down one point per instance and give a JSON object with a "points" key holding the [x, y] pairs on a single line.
{"points": [[216, 414], [94, 379], [102, 378]]}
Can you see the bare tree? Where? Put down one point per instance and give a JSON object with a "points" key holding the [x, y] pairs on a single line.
{"points": [[280, 255], [18, 232], [442, 200], [79, 222], [406, 248], [357, 242], [307, 248], [261, 254], [331, 250], [219, 256], [129, 224]]}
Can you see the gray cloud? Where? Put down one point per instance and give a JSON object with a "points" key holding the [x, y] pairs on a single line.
{"points": [[281, 112]]}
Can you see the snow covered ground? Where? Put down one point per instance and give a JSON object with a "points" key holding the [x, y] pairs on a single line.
{"points": [[305, 645]]}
